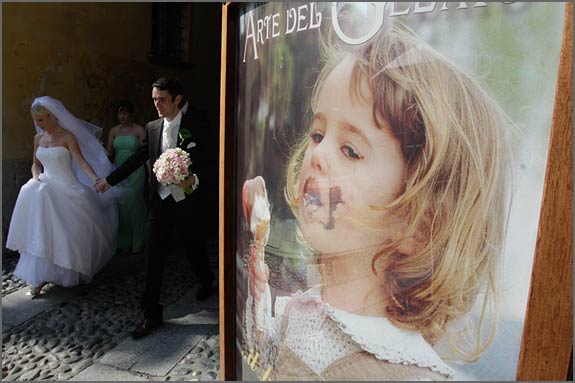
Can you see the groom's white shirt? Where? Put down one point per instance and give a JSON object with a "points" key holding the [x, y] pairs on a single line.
{"points": [[184, 108], [170, 131]]}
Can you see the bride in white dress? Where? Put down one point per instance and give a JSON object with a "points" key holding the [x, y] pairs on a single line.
{"points": [[63, 229]]}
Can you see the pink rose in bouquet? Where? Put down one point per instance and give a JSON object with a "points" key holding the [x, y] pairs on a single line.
{"points": [[172, 167]]}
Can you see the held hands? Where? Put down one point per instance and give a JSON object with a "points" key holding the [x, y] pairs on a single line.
{"points": [[101, 185], [257, 214]]}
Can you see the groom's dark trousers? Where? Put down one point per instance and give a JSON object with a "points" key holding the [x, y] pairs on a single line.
{"points": [[165, 218]]}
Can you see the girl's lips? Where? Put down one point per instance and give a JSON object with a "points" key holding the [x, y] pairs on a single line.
{"points": [[311, 194], [312, 202]]}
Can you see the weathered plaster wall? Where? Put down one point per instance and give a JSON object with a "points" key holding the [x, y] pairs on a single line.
{"points": [[87, 55]]}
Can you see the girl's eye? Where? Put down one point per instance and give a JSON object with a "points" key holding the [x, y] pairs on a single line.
{"points": [[350, 153], [316, 137]]}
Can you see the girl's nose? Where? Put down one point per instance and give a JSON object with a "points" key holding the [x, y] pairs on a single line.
{"points": [[319, 158]]}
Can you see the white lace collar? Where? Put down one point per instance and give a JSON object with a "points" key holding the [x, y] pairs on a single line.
{"points": [[378, 336]]}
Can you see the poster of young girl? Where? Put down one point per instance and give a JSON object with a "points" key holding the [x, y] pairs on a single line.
{"points": [[389, 165]]}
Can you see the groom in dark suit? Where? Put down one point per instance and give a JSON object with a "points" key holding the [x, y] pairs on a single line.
{"points": [[169, 207]]}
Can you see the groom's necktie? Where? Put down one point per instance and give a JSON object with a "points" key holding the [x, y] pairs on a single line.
{"points": [[168, 135], [169, 132]]}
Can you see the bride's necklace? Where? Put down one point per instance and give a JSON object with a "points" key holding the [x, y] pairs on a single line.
{"points": [[56, 131]]}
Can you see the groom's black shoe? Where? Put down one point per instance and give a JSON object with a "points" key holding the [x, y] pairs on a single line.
{"points": [[204, 292], [146, 327]]}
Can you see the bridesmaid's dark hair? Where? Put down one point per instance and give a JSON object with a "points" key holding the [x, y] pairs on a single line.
{"points": [[125, 106]]}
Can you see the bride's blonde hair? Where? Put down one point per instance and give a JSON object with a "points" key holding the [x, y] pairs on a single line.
{"points": [[453, 138], [38, 108]]}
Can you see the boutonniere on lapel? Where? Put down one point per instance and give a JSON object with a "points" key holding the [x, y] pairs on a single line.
{"points": [[183, 135]]}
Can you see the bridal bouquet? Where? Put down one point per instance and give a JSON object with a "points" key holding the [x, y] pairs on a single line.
{"points": [[172, 167]]}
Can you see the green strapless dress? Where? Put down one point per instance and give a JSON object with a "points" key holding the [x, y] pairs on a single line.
{"points": [[132, 208]]}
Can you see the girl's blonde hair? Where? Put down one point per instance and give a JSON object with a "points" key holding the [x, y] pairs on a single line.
{"points": [[453, 138]]}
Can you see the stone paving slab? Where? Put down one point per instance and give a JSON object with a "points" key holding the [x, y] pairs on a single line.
{"points": [[205, 317], [18, 307], [101, 372], [159, 352], [126, 354], [188, 307], [186, 322], [168, 351]]}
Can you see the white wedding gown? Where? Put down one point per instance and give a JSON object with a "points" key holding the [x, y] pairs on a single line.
{"points": [[65, 233]]}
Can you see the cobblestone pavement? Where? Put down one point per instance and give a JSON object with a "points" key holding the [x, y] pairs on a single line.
{"points": [[82, 333]]}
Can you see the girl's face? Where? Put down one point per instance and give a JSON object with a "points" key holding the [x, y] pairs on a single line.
{"points": [[351, 167]]}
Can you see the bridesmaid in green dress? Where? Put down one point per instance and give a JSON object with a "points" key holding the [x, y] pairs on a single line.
{"points": [[123, 140]]}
